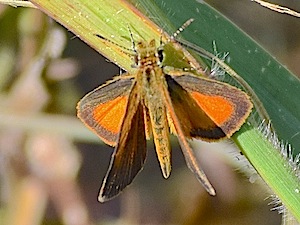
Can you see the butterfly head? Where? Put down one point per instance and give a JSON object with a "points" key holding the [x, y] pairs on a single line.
{"points": [[147, 54]]}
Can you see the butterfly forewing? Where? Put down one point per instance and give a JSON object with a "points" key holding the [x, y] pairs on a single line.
{"points": [[130, 153], [104, 113]]}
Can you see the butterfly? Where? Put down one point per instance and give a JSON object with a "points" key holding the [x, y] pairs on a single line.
{"points": [[153, 102]]}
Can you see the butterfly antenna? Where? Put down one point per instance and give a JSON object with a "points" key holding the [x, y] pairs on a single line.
{"points": [[160, 39], [132, 39], [123, 49], [180, 29]]}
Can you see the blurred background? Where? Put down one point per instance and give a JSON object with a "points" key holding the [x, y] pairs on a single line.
{"points": [[48, 175]]}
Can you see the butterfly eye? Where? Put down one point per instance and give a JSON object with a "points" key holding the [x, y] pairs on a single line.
{"points": [[160, 54], [136, 60]]}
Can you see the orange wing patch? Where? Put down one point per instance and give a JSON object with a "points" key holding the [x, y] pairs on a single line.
{"points": [[217, 108], [109, 115]]}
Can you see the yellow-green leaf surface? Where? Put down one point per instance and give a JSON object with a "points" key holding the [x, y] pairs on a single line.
{"points": [[276, 87]]}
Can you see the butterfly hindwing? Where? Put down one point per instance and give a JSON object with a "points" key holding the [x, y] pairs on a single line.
{"points": [[221, 108], [194, 121], [102, 112]]}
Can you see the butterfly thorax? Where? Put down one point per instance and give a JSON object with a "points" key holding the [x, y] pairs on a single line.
{"points": [[149, 75]]}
